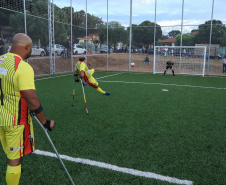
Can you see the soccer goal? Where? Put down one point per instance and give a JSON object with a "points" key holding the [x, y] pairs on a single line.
{"points": [[187, 59]]}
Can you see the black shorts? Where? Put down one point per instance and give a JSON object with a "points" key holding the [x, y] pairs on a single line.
{"points": [[167, 67]]}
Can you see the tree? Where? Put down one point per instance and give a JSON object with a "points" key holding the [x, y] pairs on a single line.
{"points": [[187, 39], [163, 37], [173, 33], [143, 33], [116, 33], [203, 35]]}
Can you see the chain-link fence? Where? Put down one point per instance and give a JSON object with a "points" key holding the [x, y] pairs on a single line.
{"points": [[63, 31]]}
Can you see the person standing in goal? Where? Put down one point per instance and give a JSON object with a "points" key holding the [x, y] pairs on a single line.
{"points": [[169, 64], [86, 75]]}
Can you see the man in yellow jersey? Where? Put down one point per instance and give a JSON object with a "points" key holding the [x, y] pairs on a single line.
{"points": [[18, 99], [86, 75]]}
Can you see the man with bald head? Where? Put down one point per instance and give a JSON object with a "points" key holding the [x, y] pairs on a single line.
{"points": [[18, 99]]}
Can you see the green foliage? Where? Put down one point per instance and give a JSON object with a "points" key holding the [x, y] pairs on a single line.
{"points": [[173, 33], [116, 33], [163, 37], [143, 33], [4, 17], [187, 39], [203, 35]]}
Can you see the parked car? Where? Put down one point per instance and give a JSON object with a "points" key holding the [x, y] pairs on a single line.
{"points": [[149, 51], [137, 50], [37, 51], [59, 49], [104, 49], [78, 49]]}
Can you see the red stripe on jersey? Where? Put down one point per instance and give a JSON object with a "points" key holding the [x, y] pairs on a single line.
{"points": [[86, 79], [17, 61], [23, 110], [20, 149], [27, 143], [14, 119]]}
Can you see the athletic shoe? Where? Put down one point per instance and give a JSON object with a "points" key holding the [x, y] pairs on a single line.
{"points": [[107, 93]]}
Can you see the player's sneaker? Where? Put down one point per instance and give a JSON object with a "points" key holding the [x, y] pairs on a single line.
{"points": [[107, 93]]}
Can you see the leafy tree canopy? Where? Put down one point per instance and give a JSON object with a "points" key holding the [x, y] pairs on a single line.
{"points": [[203, 35], [173, 33], [143, 33]]}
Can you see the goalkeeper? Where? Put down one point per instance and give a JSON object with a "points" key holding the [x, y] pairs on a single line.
{"points": [[169, 65], [86, 75]]}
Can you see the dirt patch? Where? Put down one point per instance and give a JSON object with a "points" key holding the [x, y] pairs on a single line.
{"points": [[116, 62]]}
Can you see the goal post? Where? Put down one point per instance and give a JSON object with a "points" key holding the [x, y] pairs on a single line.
{"points": [[187, 59]]}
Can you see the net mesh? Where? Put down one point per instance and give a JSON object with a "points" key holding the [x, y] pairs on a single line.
{"points": [[187, 60], [31, 17]]}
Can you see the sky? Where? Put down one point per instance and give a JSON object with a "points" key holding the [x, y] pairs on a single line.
{"points": [[168, 12]]}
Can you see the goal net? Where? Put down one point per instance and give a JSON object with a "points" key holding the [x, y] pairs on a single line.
{"points": [[186, 59]]}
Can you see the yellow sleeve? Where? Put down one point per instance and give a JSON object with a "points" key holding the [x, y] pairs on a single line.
{"points": [[77, 66], [25, 76]]}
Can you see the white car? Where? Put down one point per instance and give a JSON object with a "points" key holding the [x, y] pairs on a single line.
{"points": [[9, 48], [104, 49], [37, 51], [59, 49], [78, 49]]}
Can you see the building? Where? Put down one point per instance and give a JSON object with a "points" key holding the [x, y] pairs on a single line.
{"points": [[90, 38], [167, 42]]}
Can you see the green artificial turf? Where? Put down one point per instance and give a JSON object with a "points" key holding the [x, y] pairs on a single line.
{"points": [[177, 133]]}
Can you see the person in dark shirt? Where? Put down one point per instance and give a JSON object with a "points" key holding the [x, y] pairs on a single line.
{"points": [[169, 65], [146, 59], [1, 45]]}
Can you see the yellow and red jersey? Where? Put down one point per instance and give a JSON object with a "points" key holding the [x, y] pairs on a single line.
{"points": [[88, 76], [15, 76], [81, 66]]}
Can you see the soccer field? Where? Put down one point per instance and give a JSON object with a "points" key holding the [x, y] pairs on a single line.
{"points": [[153, 129]]}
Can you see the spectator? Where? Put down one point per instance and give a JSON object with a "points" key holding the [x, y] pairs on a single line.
{"points": [[118, 49], [109, 48], [165, 53], [1, 45], [185, 52], [68, 46], [146, 59], [143, 49], [224, 64], [172, 52]]}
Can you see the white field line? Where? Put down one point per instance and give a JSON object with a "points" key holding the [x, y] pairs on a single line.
{"points": [[108, 76], [163, 84], [51, 77], [72, 74], [117, 168]]}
